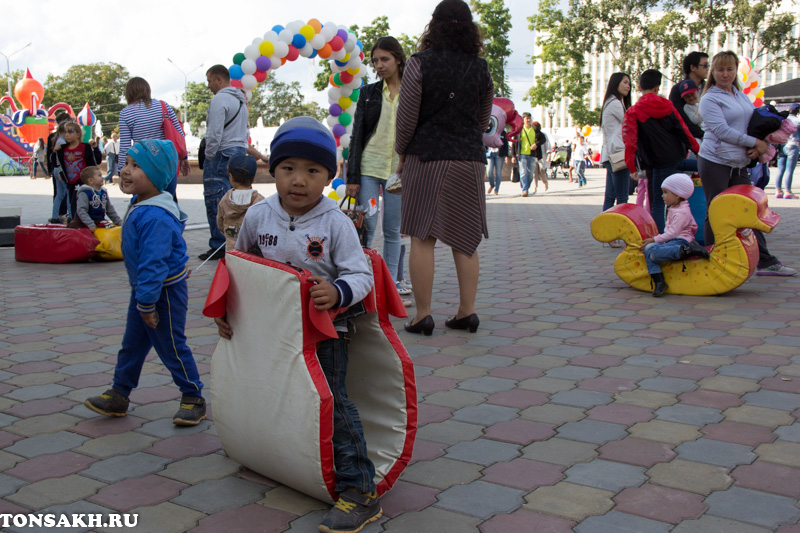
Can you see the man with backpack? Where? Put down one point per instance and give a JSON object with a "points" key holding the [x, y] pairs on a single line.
{"points": [[226, 136]]}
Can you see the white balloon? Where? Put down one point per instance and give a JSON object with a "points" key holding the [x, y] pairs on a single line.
{"points": [[350, 44], [354, 62], [345, 140], [355, 84], [251, 52], [341, 190], [317, 41], [281, 49], [295, 26], [257, 41], [275, 62], [337, 68], [307, 50], [338, 55], [335, 93], [249, 66], [249, 82], [271, 36], [248, 95], [286, 35], [329, 29], [331, 121]]}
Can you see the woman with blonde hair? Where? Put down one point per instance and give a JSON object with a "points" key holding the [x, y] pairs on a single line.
{"points": [[445, 106], [727, 149]]}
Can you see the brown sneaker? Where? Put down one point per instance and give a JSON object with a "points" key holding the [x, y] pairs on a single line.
{"points": [[191, 412], [110, 403]]}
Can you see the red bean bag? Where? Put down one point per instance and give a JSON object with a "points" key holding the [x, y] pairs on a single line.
{"points": [[53, 243]]}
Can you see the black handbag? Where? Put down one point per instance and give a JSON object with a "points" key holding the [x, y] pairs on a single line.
{"points": [[515, 173]]}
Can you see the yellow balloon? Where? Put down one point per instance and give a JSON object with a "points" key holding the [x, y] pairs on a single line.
{"points": [[333, 196], [744, 76], [345, 102], [266, 48], [307, 32], [760, 94], [587, 130], [354, 71], [346, 58]]}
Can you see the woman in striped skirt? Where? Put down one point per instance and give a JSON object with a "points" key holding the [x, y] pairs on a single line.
{"points": [[445, 105], [142, 119]]}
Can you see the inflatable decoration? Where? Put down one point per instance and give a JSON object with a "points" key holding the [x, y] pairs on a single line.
{"points": [[733, 258], [309, 39], [31, 118], [750, 81], [86, 119], [273, 409], [56, 243], [504, 117]]}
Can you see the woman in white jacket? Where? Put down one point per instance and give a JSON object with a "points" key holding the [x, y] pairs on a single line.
{"points": [[616, 101]]}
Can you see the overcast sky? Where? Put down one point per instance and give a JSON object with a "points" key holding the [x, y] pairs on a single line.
{"points": [[141, 37]]}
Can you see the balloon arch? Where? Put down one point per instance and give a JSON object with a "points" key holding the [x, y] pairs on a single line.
{"points": [[309, 39]]}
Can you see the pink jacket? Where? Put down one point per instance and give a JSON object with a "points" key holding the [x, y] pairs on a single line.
{"points": [[680, 224]]}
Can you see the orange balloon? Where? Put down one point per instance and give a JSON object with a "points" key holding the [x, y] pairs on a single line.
{"points": [[325, 52], [314, 23]]}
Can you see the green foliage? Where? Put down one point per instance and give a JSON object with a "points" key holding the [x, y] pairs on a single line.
{"points": [[378, 28], [196, 97], [276, 100], [16, 75], [637, 38], [495, 23], [101, 85]]}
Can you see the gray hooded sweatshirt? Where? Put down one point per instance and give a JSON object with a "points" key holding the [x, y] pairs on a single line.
{"points": [[323, 241], [223, 108]]}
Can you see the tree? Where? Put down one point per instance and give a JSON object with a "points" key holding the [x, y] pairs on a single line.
{"points": [[16, 75], [276, 100], [637, 38], [197, 97], [495, 24], [378, 28], [101, 85]]}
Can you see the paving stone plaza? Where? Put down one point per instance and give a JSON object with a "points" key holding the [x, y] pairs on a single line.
{"points": [[580, 404]]}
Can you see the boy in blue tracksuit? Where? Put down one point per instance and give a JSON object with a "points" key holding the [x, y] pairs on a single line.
{"points": [[155, 258]]}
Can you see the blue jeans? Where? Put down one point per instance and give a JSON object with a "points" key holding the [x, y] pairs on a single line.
{"points": [[656, 253], [111, 164], [37, 163], [168, 339], [657, 206], [215, 185], [373, 188], [787, 160], [61, 194], [526, 163], [354, 469], [580, 171], [617, 186], [494, 169]]}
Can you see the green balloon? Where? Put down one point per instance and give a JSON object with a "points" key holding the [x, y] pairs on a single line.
{"points": [[238, 58], [345, 153], [354, 95], [345, 119], [337, 80]]}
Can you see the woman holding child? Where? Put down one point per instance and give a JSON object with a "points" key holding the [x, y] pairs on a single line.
{"points": [[445, 106], [141, 119], [727, 149]]}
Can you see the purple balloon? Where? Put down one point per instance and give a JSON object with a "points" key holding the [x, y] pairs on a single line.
{"points": [[335, 110], [263, 63], [343, 35], [338, 130]]}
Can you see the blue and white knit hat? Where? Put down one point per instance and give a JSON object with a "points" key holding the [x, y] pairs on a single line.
{"points": [[158, 159], [303, 137]]}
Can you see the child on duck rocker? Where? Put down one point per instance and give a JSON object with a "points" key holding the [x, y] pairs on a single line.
{"points": [[677, 242]]}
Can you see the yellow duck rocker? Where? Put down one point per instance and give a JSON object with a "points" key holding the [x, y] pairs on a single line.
{"points": [[732, 259]]}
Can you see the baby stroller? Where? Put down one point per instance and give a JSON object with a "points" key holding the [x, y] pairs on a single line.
{"points": [[559, 160]]}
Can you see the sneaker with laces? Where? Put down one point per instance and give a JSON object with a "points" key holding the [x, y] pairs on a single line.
{"points": [[779, 194], [789, 195], [110, 403], [402, 289], [191, 412], [406, 283], [778, 269], [352, 512]]}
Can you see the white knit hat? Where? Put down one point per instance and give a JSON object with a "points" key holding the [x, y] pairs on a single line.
{"points": [[680, 185]]}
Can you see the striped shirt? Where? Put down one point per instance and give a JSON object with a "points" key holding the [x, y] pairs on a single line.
{"points": [[137, 122]]}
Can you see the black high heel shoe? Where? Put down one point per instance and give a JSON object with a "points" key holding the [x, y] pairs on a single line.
{"points": [[425, 326], [470, 322]]}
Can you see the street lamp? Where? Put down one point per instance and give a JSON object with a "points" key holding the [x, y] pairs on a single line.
{"points": [[551, 111], [185, 86], [8, 65]]}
